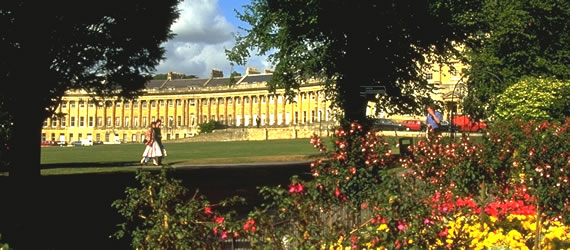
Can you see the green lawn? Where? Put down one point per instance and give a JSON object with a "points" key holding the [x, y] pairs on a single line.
{"points": [[125, 157]]}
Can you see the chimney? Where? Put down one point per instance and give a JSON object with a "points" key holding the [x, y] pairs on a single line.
{"points": [[174, 75], [251, 71], [217, 73]]}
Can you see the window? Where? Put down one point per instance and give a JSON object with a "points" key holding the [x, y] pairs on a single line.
{"points": [[70, 136], [213, 101], [81, 104], [170, 121], [45, 123], [144, 121], [254, 99], [81, 121], [117, 104], [136, 122], [144, 104], [161, 102], [192, 102], [153, 104], [98, 137], [170, 103], [62, 122], [52, 136], [237, 100], [204, 102], [312, 115], [178, 102], [72, 121], [429, 76], [99, 121], [262, 99], [271, 99], [221, 100], [246, 100], [107, 137], [304, 116], [230, 100], [135, 105], [64, 105], [117, 121], [72, 104], [108, 104], [108, 121], [80, 136], [312, 96], [53, 122], [127, 105], [179, 121], [91, 121], [91, 104], [127, 122]]}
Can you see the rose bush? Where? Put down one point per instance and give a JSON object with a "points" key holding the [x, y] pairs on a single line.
{"points": [[161, 214]]}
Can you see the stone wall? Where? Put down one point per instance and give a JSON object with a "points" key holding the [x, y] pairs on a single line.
{"points": [[258, 134]]}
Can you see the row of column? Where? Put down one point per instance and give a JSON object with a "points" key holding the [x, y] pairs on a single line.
{"points": [[192, 111]]}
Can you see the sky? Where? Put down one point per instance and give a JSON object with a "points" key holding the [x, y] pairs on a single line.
{"points": [[204, 30]]}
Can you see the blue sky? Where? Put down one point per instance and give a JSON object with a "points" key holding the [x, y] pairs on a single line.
{"points": [[203, 31]]}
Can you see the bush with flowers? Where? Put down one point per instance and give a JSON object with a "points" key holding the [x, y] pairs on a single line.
{"points": [[162, 214], [446, 194], [511, 191]]}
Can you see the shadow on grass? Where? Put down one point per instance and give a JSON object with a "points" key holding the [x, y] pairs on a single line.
{"points": [[90, 164]]}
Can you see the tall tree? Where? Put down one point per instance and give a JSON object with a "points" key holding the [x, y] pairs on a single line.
{"points": [[106, 47], [516, 39], [349, 44]]}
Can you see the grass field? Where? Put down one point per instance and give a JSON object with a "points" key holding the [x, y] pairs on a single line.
{"points": [[125, 157]]}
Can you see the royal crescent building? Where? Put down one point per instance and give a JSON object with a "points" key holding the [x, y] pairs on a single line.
{"points": [[244, 107]]}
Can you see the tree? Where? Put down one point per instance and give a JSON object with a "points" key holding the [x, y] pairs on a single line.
{"points": [[535, 99], [109, 50], [516, 39], [381, 43]]}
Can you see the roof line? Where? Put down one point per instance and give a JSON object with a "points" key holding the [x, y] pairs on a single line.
{"points": [[164, 83]]}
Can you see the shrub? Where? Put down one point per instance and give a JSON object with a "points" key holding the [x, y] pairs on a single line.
{"points": [[208, 127], [535, 99], [160, 214]]}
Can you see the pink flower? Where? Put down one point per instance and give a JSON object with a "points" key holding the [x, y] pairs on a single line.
{"points": [[219, 219], [401, 226], [224, 235]]}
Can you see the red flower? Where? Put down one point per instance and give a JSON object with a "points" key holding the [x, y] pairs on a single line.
{"points": [[249, 226], [219, 219], [208, 210]]}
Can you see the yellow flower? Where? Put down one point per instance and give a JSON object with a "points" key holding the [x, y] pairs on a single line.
{"points": [[383, 227]]}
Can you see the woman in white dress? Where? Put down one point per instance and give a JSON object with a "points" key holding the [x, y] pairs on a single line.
{"points": [[152, 149]]}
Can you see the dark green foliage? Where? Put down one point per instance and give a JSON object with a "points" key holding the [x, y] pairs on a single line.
{"points": [[209, 126], [162, 214], [516, 39], [350, 44], [109, 48]]}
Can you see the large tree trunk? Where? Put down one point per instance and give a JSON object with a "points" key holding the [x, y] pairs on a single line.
{"points": [[27, 108]]}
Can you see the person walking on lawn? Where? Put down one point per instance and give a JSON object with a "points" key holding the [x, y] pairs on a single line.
{"points": [[152, 149]]}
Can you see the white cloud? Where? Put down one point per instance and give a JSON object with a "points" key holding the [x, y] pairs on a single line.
{"points": [[202, 35]]}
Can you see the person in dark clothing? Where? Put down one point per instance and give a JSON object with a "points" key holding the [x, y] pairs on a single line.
{"points": [[158, 139]]}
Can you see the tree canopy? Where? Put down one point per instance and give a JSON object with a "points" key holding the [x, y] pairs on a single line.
{"points": [[109, 48], [515, 39], [349, 44]]}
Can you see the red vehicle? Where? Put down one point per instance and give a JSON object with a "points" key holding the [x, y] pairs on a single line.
{"points": [[413, 125], [466, 124]]}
